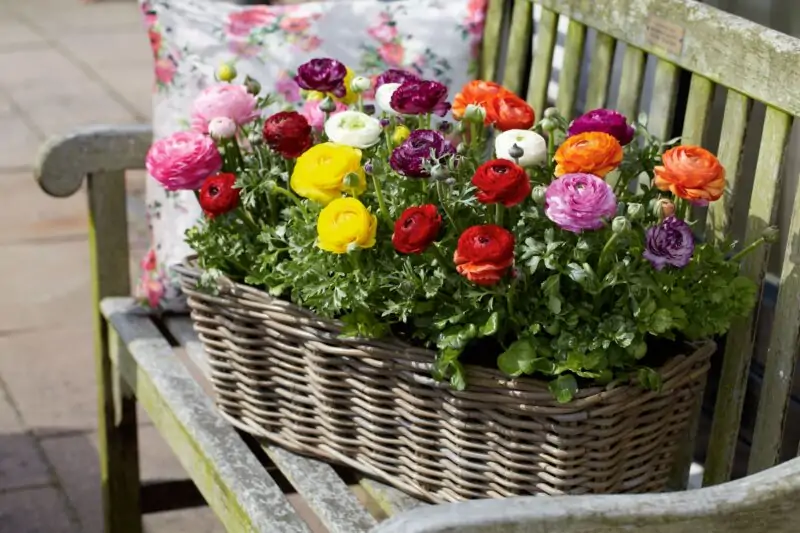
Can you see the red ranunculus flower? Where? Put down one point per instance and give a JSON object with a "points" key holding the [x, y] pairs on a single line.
{"points": [[501, 181], [217, 195], [484, 254], [416, 229], [510, 112], [288, 133]]}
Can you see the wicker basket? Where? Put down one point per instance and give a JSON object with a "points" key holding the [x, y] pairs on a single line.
{"points": [[282, 373]]}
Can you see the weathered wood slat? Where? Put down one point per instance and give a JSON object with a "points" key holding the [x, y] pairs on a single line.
{"points": [[389, 499], [731, 144], [570, 76], [698, 107], [729, 50], [490, 51], [662, 104], [519, 43], [181, 328], [739, 344], [231, 479], [763, 502], [600, 71], [541, 70], [631, 81], [324, 491], [779, 367]]}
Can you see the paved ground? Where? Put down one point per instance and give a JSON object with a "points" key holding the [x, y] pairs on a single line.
{"points": [[62, 63]]}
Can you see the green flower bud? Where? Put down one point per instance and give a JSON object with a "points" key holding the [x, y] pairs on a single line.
{"points": [[439, 173], [352, 180], [551, 112], [549, 125], [360, 84], [538, 193], [252, 85], [475, 113], [635, 211], [771, 234], [327, 105], [620, 225], [226, 72], [462, 148]]}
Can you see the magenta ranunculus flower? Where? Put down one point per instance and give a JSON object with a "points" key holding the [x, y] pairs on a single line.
{"points": [[669, 243], [605, 121], [577, 202], [409, 158], [223, 100], [183, 160], [421, 97], [395, 75], [322, 74]]}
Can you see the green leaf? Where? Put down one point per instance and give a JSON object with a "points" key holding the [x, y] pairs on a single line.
{"points": [[458, 379], [518, 359], [491, 325], [457, 337], [564, 388], [650, 379], [661, 321]]}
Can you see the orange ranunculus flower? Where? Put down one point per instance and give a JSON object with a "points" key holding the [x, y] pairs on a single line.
{"points": [[510, 112], [477, 92], [592, 152], [691, 173]]}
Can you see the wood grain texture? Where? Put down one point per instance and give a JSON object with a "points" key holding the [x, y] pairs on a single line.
{"points": [[490, 49], [662, 104], [600, 71], [389, 499], [728, 50], [739, 344], [764, 502], [229, 476], [541, 70], [631, 81], [65, 161], [519, 44], [570, 76]]}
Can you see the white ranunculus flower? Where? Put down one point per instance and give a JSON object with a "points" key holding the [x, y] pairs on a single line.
{"points": [[383, 97], [353, 128], [533, 146]]}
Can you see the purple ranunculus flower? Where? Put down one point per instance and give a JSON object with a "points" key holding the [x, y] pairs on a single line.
{"points": [[669, 243], [421, 97], [408, 159], [577, 202], [322, 74], [605, 121], [395, 75]]}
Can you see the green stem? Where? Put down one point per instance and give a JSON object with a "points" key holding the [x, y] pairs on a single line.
{"points": [[604, 255], [381, 205], [273, 211], [681, 208], [551, 147], [437, 253], [248, 219], [441, 193], [499, 210], [238, 160], [750, 248]]}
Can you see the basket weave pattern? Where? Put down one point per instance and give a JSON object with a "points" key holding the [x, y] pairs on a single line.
{"points": [[281, 373]]}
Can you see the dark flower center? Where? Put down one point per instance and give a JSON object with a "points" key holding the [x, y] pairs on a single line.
{"points": [[408, 223], [483, 239], [499, 169], [213, 190]]}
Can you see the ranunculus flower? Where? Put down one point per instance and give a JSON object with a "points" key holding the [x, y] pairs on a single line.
{"points": [[222, 128], [395, 75], [501, 182], [324, 75], [510, 112], [408, 159], [223, 100], [383, 97], [288, 133], [533, 146], [577, 202], [353, 128], [218, 195], [183, 160], [421, 97], [319, 174], [315, 116], [484, 254], [345, 223], [592, 152], [416, 229], [604, 120], [669, 243], [691, 173], [477, 92]]}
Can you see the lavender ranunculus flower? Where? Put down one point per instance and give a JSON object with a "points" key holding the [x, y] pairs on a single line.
{"points": [[605, 121], [322, 74], [421, 97], [669, 243], [395, 75], [408, 159], [577, 202]]}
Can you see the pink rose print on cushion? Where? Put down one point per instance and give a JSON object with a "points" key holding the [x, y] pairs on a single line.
{"points": [[165, 70], [392, 54], [385, 30], [287, 88], [242, 23], [294, 24], [309, 43]]}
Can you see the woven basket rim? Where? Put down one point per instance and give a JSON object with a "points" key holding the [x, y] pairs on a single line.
{"points": [[585, 398]]}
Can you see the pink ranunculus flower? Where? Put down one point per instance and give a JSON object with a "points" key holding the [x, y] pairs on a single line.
{"points": [[223, 100], [287, 88], [314, 114], [183, 160], [577, 202]]}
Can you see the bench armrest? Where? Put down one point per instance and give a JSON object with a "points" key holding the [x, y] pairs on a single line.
{"points": [[65, 161]]}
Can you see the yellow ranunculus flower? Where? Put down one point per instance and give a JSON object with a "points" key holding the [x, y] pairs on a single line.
{"points": [[343, 223], [400, 134], [349, 98], [319, 173]]}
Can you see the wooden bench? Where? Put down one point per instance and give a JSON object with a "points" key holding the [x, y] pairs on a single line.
{"points": [[138, 356]]}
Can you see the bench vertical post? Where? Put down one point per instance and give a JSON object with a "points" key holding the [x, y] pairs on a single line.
{"points": [[117, 426]]}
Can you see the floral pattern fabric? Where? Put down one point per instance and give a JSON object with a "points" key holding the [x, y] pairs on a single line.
{"points": [[437, 39]]}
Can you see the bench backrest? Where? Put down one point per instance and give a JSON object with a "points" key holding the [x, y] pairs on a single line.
{"points": [[730, 60]]}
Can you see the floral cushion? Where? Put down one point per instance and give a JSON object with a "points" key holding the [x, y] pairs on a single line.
{"points": [[190, 38]]}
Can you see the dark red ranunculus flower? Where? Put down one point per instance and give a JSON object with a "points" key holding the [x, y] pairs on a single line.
{"points": [[395, 75], [484, 254], [218, 196], [322, 74], [416, 229], [421, 97], [288, 133], [501, 181]]}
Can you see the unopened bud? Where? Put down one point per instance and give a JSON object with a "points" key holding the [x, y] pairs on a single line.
{"points": [[620, 225], [635, 211], [462, 148], [226, 72], [445, 126], [255, 138], [360, 84], [327, 105], [771, 234], [664, 208], [475, 113], [440, 173], [549, 125], [221, 128], [551, 112], [538, 194], [516, 151], [352, 180], [369, 109], [368, 167], [252, 85]]}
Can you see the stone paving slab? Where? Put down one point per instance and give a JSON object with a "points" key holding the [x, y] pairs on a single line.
{"points": [[40, 510]]}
